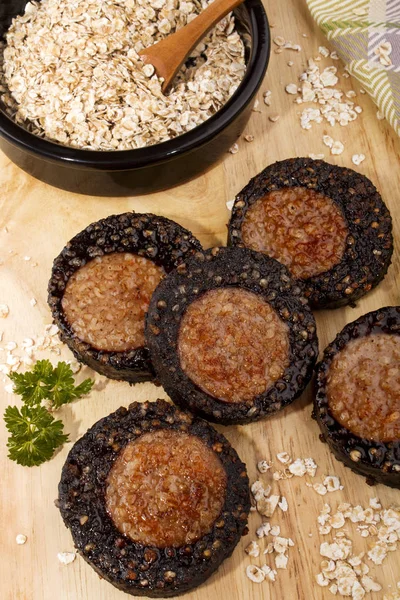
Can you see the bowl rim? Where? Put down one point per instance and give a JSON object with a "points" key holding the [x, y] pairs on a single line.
{"points": [[121, 160]]}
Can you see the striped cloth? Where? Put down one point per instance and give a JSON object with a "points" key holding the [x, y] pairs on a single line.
{"points": [[366, 35]]}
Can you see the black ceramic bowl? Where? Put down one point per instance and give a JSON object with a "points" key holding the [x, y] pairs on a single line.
{"points": [[144, 170]]}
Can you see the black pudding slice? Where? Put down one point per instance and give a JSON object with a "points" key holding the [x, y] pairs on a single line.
{"points": [[155, 499], [231, 336], [101, 285], [327, 224], [357, 401]]}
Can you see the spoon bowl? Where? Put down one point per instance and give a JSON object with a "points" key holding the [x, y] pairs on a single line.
{"points": [[168, 55]]}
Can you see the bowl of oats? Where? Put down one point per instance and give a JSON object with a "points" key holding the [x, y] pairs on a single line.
{"points": [[80, 110]]}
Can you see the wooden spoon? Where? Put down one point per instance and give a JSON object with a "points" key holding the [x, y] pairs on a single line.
{"points": [[168, 55]]}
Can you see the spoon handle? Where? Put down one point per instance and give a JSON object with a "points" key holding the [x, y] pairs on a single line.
{"points": [[168, 55]]}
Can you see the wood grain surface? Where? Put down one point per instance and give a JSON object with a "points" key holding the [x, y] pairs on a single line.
{"points": [[36, 220]]}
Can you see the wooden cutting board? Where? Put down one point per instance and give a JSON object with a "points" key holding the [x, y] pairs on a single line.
{"points": [[36, 220]]}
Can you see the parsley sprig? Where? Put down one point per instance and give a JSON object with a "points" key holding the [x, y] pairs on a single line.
{"points": [[35, 433]]}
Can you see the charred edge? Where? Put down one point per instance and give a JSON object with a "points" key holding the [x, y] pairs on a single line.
{"points": [[378, 461], [253, 271], [369, 244], [129, 566], [161, 240]]}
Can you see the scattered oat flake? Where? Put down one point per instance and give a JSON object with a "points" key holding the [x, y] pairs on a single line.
{"points": [[263, 530], [270, 574], [316, 156], [332, 483], [291, 88], [337, 520], [66, 558], [279, 41], [320, 488], [357, 159], [333, 589], [234, 149], [11, 346], [257, 489], [21, 539], [378, 553], [230, 203], [273, 118], [291, 46], [264, 465], [267, 95], [255, 574], [281, 561], [328, 77], [33, 301], [283, 457], [51, 329], [328, 141], [27, 258], [321, 580], [370, 585], [253, 549], [380, 116], [269, 548], [310, 464], [267, 506], [4, 311], [323, 50], [275, 530], [337, 148], [298, 467], [283, 505], [249, 138]]}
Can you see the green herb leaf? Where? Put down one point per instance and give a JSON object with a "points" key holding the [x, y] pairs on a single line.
{"points": [[35, 434], [62, 386], [44, 382], [33, 385]]}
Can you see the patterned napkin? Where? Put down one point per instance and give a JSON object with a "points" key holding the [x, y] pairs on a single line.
{"points": [[366, 35]]}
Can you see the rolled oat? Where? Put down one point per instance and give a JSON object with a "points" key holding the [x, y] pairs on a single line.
{"points": [[71, 72]]}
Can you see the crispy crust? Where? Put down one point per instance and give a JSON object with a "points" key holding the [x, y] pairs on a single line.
{"points": [[378, 461], [129, 566], [238, 267], [156, 238], [367, 217]]}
